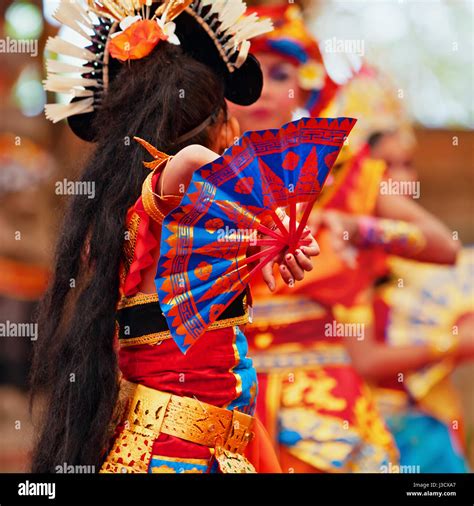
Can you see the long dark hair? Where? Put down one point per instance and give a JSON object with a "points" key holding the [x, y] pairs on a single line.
{"points": [[158, 98]]}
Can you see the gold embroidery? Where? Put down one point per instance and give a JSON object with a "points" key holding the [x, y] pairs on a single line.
{"points": [[137, 300], [168, 470], [290, 356], [148, 199], [152, 339], [325, 440], [333, 444], [131, 453], [370, 425], [158, 337], [313, 388], [230, 462], [284, 310], [200, 462], [129, 246], [163, 469], [152, 412], [230, 322], [131, 242]]}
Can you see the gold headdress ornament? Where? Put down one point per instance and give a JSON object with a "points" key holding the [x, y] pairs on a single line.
{"points": [[99, 22], [158, 155], [372, 97]]}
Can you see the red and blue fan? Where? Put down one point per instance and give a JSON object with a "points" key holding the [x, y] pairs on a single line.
{"points": [[232, 204]]}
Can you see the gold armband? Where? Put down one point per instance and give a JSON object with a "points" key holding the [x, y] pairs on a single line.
{"points": [[394, 236], [156, 206]]}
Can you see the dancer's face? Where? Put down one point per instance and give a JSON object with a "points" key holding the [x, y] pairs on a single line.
{"points": [[281, 95], [397, 155]]}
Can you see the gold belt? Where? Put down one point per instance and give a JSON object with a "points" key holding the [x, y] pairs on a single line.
{"points": [[152, 413]]}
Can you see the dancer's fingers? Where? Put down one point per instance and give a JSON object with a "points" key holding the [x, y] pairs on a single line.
{"points": [[304, 262], [296, 271], [268, 277]]}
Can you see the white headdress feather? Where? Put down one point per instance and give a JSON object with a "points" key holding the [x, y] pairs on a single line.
{"points": [[223, 20], [58, 112]]}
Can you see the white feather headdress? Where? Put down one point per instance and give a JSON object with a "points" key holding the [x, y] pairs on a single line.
{"points": [[96, 20]]}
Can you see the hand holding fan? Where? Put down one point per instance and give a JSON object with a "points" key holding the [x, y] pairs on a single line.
{"points": [[230, 203]]}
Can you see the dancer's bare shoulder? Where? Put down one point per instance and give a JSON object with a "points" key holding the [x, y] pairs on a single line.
{"points": [[181, 167]]}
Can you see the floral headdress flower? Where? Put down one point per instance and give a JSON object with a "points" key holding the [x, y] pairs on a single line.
{"points": [[138, 37]]}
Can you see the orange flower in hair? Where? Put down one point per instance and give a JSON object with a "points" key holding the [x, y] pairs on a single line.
{"points": [[137, 40]]}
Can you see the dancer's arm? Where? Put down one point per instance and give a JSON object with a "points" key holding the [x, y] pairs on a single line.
{"points": [[439, 244], [401, 227], [176, 178], [378, 360]]}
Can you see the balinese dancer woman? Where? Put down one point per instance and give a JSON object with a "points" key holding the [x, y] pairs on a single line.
{"points": [[160, 73], [293, 69], [312, 400], [423, 312]]}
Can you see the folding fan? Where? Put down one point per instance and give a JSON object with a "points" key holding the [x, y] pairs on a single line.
{"points": [[230, 205]]}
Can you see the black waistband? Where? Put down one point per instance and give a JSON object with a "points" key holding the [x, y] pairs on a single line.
{"points": [[146, 318]]}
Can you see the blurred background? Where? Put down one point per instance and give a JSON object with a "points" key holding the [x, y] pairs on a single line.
{"points": [[426, 48]]}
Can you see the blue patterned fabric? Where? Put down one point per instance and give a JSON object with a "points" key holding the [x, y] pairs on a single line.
{"points": [[426, 444]]}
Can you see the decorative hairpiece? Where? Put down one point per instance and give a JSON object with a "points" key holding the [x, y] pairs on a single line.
{"points": [[130, 29], [158, 155], [372, 97], [292, 40], [228, 26], [290, 36]]}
